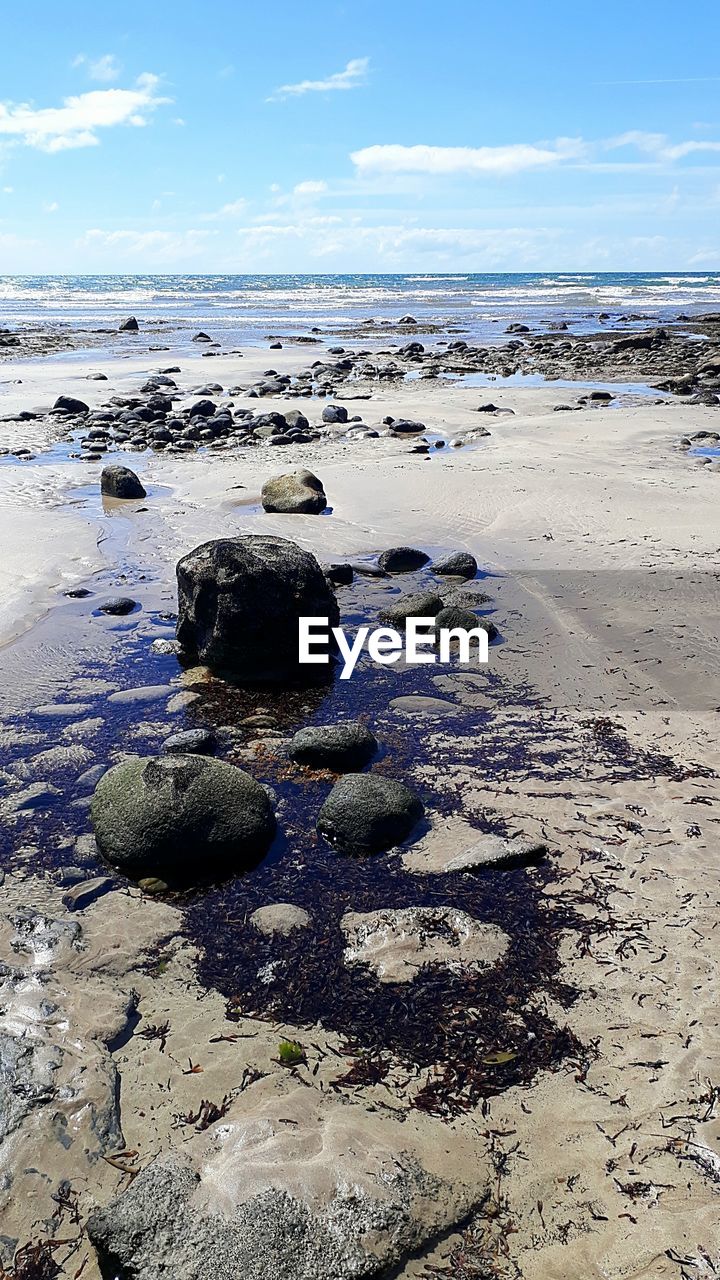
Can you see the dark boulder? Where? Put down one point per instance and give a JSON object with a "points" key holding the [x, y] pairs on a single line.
{"points": [[459, 565], [402, 560], [366, 813], [334, 413], [68, 404], [404, 427], [339, 747], [180, 817], [121, 482], [341, 575], [239, 602], [423, 604], [203, 409], [119, 606], [129, 326], [195, 742], [454, 616]]}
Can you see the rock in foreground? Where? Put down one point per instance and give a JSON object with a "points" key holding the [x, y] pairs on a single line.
{"points": [[366, 813], [397, 945], [294, 493], [121, 482], [334, 746], [180, 817], [293, 1186], [239, 604]]}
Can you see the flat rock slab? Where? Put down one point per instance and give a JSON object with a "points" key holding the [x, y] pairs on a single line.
{"points": [[459, 847], [291, 1185], [397, 945], [417, 704], [279, 917]]}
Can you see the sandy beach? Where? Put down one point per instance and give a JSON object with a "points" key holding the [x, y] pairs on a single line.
{"points": [[593, 732]]}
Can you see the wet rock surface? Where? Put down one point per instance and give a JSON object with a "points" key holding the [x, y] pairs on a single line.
{"points": [[340, 747], [398, 944], [366, 813], [296, 493]]}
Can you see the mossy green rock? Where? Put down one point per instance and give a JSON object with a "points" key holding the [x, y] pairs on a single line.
{"points": [[181, 817]]}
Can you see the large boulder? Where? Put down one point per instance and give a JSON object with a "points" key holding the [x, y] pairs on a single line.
{"points": [[69, 404], [239, 602], [294, 493], [180, 817], [366, 813], [121, 482], [334, 746]]}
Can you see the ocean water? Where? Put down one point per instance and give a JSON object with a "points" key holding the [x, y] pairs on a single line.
{"points": [[248, 308]]}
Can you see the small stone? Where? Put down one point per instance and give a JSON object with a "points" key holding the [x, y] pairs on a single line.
{"points": [[190, 741], [459, 565], [83, 895], [340, 747], [280, 917], [119, 606]]}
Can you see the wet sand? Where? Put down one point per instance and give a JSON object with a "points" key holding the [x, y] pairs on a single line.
{"points": [[601, 539]]}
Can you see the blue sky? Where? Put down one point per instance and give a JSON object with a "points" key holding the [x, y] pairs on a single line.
{"points": [[363, 136]]}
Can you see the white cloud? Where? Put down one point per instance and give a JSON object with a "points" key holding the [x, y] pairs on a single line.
{"points": [[231, 210], [104, 69], [310, 188], [144, 246], [514, 158], [76, 122], [352, 77], [51, 206], [659, 146]]}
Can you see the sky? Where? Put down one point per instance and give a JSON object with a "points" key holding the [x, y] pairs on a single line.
{"points": [[333, 137]]}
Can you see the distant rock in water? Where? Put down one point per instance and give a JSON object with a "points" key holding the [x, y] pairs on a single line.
{"points": [[459, 565], [121, 482], [129, 326], [181, 817], [239, 605], [402, 560], [294, 493]]}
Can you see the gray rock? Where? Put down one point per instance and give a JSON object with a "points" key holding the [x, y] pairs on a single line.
{"points": [[180, 817], [334, 413], [279, 917], [80, 896], [190, 742], [239, 601], [118, 606], [68, 404], [339, 747], [496, 854], [453, 616], [459, 565], [404, 427], [366, 813], [294, 493], [121, 482], [422, 604], [402, 560], [129, 326]]}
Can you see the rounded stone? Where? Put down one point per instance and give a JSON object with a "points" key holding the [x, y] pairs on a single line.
{"points": [[119, 606], [422, 604], [180, 817], [402, 559], [121, 482], [294, 493], [452, 617], [459, 565], [279, 918], [366, 813], [339, 747], [190, 742]]}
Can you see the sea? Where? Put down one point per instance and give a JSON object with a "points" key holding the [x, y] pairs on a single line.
{"points": [[247, 309]]}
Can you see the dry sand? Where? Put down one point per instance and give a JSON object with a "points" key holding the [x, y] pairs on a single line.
{"points": [[609, 536]]}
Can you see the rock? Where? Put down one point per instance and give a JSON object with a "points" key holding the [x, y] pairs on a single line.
{"points": [[203, 409], [280, 917], [407, 320], [129, 326], [397, 945], [517, 328], [334, 413], [68, 404], [341, 575], [340, 747], [83, 894], [181, 817], [454, 845], [294, 493], [495, 853], [402, 560], [459, 565], [423, 604], [403, 426], [453, 616], [121, 482], [292, 1186], [118, 606], [190, 742], [239, 601], [366, 813]]}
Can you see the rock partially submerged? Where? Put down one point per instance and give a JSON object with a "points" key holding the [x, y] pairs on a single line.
{"points": [[397, 945], [121, 482], [402, 560], [339, 747], [422, 604], [180, 817], [367, 813], [239, 605], [292, 1186], [294, 493]]}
